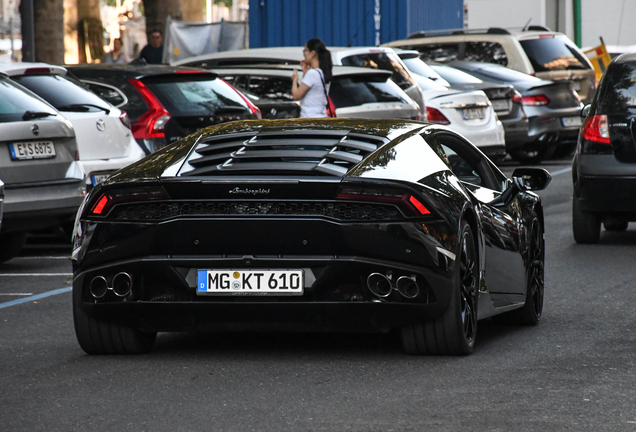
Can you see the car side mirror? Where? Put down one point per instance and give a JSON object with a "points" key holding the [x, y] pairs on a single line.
{"points": [[586, 110], [523, 179]]}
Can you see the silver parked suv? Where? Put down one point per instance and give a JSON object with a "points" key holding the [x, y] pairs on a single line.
{"points": [[39, 165], [534, 50]]}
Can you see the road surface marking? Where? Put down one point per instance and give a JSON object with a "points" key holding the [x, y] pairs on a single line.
{"points": [[35, 297]]}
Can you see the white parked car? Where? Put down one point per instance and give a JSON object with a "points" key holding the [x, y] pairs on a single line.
{"points": [[468, 112], [104, 139]]}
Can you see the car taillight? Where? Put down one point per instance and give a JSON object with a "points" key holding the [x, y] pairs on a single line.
{"points": [[125, 120], [516, 97], [435, 116], [412, 205], [255, 110], [535, 100], [77, 157], [151, 124], [596, 129], [332, 107], [108, 199]]}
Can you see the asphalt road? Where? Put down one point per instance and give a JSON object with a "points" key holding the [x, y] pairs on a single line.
{"points": [[575, 371]]}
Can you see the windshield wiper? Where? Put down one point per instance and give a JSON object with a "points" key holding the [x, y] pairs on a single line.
{"points": [[36, 114], [79, 106]]}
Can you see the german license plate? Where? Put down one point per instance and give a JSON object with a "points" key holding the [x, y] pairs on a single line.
{"points": [[473, 113], [500, 105], [250, 282], [98, 178], [572, 121], [32, 150]]}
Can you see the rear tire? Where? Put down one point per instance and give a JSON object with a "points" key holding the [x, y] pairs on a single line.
{"points": [[11, 244], [100, 337], [586, 226], [454, 332], [532, 309]]}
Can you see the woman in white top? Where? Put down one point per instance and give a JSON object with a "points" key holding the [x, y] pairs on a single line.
{"points": [[314, 88]]}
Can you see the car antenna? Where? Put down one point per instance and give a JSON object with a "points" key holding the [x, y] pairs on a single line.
{"points": [[358, 29], [525, 27]]}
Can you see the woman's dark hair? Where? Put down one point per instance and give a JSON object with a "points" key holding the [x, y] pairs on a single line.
{"points": [[324, 56]]}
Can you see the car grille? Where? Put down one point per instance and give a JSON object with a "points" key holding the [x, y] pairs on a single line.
{"points": [[322, 152], [157, 211]]}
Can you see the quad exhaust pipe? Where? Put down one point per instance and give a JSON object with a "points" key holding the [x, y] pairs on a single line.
{"points": [[121, 285], [381, 286]]}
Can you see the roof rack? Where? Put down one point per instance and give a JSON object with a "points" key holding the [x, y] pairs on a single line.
{"points": [[491, 30], [537, 28]]}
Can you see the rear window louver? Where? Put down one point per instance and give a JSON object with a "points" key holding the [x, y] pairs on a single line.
{"points": [[302, 152]]}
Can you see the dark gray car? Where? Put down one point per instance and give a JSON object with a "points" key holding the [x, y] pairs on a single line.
{"points": [[39, 165]]}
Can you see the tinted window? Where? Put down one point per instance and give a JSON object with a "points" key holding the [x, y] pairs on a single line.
{"points": [[61, 92], [385, 61], [417, 66], [504, 74], [275, 88], [427, 84], [109, 94], [14, 102], [191, 97], [552, 53], [455, 76], [353, 91], [618, 89], [440, 53], [488, 52]]}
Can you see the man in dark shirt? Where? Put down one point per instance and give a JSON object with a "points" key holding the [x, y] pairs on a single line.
{"points": [[153, 52]]}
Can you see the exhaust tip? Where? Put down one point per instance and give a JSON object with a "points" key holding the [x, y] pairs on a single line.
{"points": [[122, 284], [408, 287], [98, 287], [379, 285]]}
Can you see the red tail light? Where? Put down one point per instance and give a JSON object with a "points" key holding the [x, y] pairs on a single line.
{"points": [[536, 100], [435, 116], [255, 110], [125, 120], [108, 199], [151, 124], [332, 107], [407, 202], [596, 129], [516, 97]]}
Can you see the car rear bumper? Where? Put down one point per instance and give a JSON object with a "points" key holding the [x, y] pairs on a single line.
{"points": [[99, 167], [516, 132], [603, 184]]}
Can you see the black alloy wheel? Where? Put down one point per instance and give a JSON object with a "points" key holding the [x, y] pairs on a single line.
{"points": [[532, 309], [586, 226], [454, 333]]}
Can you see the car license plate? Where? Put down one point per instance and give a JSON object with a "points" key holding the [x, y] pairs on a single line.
{"points": [[572, 121], [98, 178], [501, 105], [473, 113], [32, 150], [250, 282]]}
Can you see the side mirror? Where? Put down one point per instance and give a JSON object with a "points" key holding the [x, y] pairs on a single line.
{"points": [[586, 110], [533, 179]]}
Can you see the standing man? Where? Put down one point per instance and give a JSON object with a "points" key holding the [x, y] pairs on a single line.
{"points": [[153, 52]]}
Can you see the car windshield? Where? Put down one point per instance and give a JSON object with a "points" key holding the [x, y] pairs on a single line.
{"points": [[553, 53], [428, 84], [502, 74], [618, 89], [15, 102], [192, 96], [415, 65], [62, 93], [358, 90], [382, 60], [455, 76]]}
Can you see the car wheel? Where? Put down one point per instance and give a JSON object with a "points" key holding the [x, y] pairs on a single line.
{"points": [[11, 244], [454, 333], [100, 337], [615, 225], [531, 311], [586, 226], [531, 156]]}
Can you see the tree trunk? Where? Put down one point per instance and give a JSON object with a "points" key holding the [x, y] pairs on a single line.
{"points": [[48, 24], [158, 10], [194, 10], [90, 33]]}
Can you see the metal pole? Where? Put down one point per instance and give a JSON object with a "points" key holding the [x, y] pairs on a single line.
{"points": [[28, 36], [577, 22], [12, 38]]}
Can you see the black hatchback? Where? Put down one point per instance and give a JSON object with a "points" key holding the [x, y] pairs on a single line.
{"points": [[604, 165], [166, 103]]}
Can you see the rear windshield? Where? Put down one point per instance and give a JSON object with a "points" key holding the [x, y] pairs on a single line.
{"points": [[194, 96], [488, 52], [381, 60], [267, 87], [504, 74], [353, 91], [62, 93], [618, 89], [455, 76], [14, 102], [553, 53], [417, 66]]}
